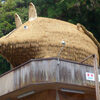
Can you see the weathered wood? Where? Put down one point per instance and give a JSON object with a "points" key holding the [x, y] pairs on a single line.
{"points": [[96, 79], [44, 95], [75, 96], [57, 95], [91, 56], [51, 95], [7, 83], [36, 73]]}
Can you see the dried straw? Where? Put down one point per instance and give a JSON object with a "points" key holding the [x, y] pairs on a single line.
{"points": [[41, 38]]}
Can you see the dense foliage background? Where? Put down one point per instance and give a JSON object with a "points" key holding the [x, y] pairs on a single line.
{"points": [[86, 12]]}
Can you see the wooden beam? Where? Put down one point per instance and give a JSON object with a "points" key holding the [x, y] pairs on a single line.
{"points": [[96, 78], [86, 58]]}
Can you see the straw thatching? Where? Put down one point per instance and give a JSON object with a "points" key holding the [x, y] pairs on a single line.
{"points": [[32, 12], [41, 38], [18, 20]]}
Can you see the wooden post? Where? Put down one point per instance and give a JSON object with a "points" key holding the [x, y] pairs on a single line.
{"points": [[96, 78], [57, 95]]}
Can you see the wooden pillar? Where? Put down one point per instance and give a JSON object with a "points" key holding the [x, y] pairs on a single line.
{"points": [[96, 78]]}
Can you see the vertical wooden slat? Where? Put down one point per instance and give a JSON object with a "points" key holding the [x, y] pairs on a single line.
{"points": [[57, 95], [6, 83]]}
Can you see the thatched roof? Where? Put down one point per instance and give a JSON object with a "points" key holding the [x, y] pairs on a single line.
{"points": [[41, 38]]}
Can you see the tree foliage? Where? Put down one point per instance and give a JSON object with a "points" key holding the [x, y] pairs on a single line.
{"points": [[86, 12]]}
